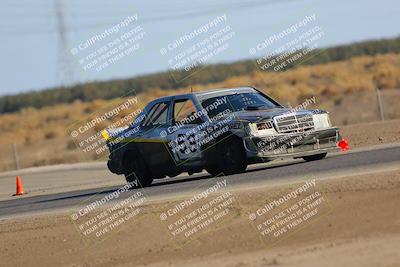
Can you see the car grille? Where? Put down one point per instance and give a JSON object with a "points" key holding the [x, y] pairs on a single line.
{"points": [[294, 123]]}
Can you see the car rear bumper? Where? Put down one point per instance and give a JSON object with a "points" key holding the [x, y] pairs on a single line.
{"points": [[114, 162], [292, 145], [114, 167]]}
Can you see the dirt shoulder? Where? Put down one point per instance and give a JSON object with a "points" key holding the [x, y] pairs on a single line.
{"points": [[373, 133], [359, 215]]}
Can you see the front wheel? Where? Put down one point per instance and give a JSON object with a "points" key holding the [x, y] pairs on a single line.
{"points": [[213, 170], [315, 157], [231, 156]]}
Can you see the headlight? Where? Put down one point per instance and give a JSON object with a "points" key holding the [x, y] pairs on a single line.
{"points": [[262, 128], [321, 121]]}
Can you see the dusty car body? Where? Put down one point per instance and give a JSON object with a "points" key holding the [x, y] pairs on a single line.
{"points": [[221, 131]]}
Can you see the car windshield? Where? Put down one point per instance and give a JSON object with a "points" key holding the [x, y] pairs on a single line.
{"points": [[236, 102]]}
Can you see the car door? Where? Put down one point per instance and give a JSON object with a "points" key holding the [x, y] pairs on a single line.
{"points": [[152, 139], [184, 133]]}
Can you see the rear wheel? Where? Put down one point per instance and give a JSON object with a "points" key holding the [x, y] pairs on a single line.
{"points": [[231, 156], [315, 157], [135, 169]]}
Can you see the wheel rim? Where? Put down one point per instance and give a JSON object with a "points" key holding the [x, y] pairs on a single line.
{"points": [[229, 156]]}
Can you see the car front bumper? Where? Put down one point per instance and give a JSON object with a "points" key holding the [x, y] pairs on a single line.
{"points": [[293, 144]]}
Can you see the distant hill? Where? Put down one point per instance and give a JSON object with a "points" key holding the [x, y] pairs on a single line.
{"points": [[164, 81]]}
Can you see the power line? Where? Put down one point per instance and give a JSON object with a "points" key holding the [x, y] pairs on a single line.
{"points": [[179, 16], [64, 67]]}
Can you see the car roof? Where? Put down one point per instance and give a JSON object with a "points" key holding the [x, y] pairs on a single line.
{"points": [[224, 91], [201, 95]]}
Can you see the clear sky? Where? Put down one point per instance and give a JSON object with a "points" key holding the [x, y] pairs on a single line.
{"points": [[33, 58]]}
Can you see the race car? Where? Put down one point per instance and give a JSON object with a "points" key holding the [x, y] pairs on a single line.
{"points": [[221, 131]]}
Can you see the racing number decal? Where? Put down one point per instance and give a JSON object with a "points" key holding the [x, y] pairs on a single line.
{"points": [[187, 146]]}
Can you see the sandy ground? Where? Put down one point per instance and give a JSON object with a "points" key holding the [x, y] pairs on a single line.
{"points": [[357, 224]]}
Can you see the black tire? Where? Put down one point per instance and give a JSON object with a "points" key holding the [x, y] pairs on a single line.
{"points": [[213, 170], [231, 156], [135, 169], [315, 157]]}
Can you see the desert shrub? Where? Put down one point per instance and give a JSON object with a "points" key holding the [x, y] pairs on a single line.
{"points": [[51, 134], [71, 144]]}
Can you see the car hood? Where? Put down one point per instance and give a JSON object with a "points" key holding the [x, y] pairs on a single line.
{"points": [[268, 114]]}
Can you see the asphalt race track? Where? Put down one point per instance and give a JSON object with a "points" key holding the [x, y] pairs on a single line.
{"points": [[277, 172]]}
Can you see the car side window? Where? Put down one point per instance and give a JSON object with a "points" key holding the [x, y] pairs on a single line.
{"points": [[185, 112], [157, 115]]}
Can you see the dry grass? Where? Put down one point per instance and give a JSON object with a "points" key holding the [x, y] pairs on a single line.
{"points": [[345, 88]]}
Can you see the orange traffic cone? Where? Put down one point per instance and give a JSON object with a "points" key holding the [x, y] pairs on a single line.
{"points": [[20, 190]]}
